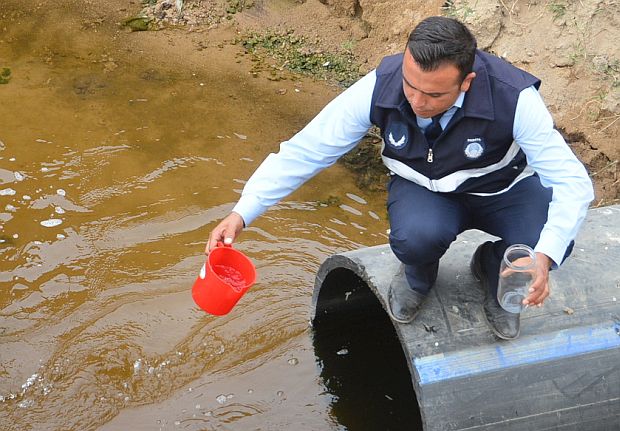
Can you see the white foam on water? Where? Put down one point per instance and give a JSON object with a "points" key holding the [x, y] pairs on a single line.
{"points": [[25, 404], [356, 198], [30, 381], [7, 192], [19, 176], [61, 192], [51, 222]]}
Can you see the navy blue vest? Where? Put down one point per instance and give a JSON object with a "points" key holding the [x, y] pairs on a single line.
{"points": [[475, 153]]}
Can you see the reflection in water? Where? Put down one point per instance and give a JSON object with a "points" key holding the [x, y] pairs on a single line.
{"points": [[361, 359]]}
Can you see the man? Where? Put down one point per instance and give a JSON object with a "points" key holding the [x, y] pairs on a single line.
{"points": [[470, 145]]}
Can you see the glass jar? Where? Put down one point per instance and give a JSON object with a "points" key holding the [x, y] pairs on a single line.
{"points": [[516, 273]]}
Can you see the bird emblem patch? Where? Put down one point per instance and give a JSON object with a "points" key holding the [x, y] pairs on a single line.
{"points": [[396, 135]]}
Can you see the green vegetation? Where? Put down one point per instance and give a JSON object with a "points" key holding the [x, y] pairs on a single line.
{"points": [[138, 23], [296, 54], [558, 9], [331, 201], [581, 53], [348, 45], [459, 9], [609, 69], [577, 53], [235, 6], [5, 75]]}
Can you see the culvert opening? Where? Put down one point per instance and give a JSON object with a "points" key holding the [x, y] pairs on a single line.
{"points": [[361, 359]]}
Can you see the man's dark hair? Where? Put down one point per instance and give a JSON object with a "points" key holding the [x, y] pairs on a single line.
{"points": [[438, 40]]}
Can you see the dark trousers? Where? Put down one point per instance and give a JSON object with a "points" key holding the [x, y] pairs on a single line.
{"points": [[424, 224]]}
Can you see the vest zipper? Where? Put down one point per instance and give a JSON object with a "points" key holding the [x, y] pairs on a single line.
{"points": [[429, 156]]}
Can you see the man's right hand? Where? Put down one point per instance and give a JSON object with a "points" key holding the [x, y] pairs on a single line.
{"points": [[228, 229]]}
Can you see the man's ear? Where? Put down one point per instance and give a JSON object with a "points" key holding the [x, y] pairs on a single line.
{"points": [[467, 81]]}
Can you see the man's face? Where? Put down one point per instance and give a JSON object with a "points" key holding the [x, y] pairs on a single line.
{"points": [[430, 93]]}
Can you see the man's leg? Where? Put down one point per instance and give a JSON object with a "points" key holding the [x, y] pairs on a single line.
{"points": [[423, 225], [517, 217]]}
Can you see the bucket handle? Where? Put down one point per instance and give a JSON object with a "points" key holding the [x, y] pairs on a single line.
{"points": [[203, 270]]}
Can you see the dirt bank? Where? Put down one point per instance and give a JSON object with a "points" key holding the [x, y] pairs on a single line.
{"points": [[570, 45]]}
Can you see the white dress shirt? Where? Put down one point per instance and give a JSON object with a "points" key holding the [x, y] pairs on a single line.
{"points": [[345, 121]]}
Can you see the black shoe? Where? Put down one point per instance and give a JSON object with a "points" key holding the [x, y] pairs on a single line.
{"points": [[504, 324], [404, 302]]}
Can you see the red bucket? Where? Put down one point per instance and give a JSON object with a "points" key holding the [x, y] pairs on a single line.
{"points": [[224, 278]]}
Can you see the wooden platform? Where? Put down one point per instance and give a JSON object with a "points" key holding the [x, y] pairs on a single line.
{"points": [[563, 372]]}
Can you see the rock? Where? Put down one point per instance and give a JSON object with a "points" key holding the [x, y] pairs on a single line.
{"points": [[564, 62], [486, 22], [611, 101]]}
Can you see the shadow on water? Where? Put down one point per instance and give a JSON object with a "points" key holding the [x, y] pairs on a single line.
{"points": [[361, 359]]}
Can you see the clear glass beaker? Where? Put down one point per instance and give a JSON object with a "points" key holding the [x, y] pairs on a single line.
{"points": [[516, 273]]}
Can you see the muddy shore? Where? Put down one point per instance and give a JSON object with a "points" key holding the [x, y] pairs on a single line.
{"points": [[571, 46]]}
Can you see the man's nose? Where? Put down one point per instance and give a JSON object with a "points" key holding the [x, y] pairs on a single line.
{"points": [[416, 99]]}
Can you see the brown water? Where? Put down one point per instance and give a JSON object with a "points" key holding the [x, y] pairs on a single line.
{"points": [[119, 153]]}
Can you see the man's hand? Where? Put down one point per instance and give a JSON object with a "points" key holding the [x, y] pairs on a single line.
{"points": [[228, 229], [539, 290]]}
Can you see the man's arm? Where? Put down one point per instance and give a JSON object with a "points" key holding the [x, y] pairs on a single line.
{"points": [[332, 133], [558, 168]]}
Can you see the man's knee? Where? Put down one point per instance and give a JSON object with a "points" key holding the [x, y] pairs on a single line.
{"points": [[420, 244]]}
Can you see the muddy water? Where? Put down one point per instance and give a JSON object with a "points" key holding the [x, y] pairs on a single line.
{"points": [[119, 153]]}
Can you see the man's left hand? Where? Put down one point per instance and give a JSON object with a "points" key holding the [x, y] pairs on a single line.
{"points": [[539, 290]]}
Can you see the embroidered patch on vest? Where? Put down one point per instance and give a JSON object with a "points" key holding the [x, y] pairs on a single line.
{"points": [[474, 148], [396, 136]]}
